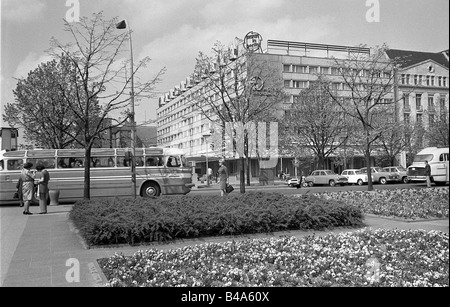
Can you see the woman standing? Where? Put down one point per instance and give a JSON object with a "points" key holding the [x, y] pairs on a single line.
{"points": [[223, 177], [27, 186], [43, 188]]}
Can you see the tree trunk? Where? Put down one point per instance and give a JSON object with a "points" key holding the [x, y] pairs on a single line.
{"points": [[242, 175], [87, 173], [369, 171]]}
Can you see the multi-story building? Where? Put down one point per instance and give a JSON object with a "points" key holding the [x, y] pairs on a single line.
{"points": [[183, 126], [8, 138], [423, 88]]}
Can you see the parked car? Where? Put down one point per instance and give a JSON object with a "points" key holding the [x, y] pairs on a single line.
{"points": [[355, 176], [325, 177], [293, 182], [379, 175], [400, 170]]}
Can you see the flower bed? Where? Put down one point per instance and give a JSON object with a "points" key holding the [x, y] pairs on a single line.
{"points": [[387, 258], [403, 203]]}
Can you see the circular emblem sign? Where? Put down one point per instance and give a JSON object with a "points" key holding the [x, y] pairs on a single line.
{"points": [[252, 41]]}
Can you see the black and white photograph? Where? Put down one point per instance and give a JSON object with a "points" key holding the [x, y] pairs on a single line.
{"points": [[221, 151]]}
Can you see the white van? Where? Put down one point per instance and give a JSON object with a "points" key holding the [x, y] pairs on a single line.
{"points": [[438, 160]]}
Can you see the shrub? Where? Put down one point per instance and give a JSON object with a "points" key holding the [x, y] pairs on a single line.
{"points": [[133, 221]]}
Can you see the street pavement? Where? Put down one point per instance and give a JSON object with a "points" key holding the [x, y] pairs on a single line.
{"points": [[46, 250]]}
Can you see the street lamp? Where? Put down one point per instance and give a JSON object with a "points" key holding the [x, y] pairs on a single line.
{"points": [[123, 25], [205, 136]]}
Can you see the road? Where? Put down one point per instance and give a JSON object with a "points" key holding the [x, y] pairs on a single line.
{"points": [[316, 189]]}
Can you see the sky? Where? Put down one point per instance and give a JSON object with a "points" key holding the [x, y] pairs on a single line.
{"points": [[173, 32]]}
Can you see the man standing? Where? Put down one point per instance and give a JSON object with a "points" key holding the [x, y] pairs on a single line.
{"points": [[428, 174]]}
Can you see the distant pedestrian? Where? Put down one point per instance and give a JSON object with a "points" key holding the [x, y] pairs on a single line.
{"points": [[223, 177], [43, 188], [428, 174], [27, 176]]}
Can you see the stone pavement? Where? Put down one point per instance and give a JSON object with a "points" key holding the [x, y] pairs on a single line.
{"points": [[46, 251]]}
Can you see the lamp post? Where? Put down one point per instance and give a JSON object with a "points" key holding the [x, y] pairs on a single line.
{"points": [[123, 25], [205, 136]]}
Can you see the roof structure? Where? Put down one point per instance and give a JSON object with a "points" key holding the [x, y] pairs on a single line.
{"points": [[409, 58]]}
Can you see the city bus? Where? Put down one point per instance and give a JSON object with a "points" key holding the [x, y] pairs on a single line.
{"points": [[159, 171], [437, 159]]}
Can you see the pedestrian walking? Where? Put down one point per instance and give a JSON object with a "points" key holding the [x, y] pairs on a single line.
{"points": [[27, 176], [223, 177], [43, 188], [428, 174]]}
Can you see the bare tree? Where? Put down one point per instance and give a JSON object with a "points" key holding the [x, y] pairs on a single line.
{"points": [[238, 90], [437, 132], [99, 80], [316, 122], [369, 80]]}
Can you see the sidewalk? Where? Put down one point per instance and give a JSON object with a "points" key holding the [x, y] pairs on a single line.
{"points": [[46, 250]]}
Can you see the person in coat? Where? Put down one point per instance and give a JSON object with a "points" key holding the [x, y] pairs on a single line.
{"points": [[223, 177]]}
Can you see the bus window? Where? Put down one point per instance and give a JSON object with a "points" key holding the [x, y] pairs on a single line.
{"points": [[48, 163], [72, 162], [139, 161], [173, 161], [443, 157], [14, 165], [154, 161], [123, 162], [1, 165]]}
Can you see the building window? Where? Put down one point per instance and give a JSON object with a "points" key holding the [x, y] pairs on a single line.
{"points": [[336, 86], [299, 84], [407, 79], [428, 81], [405, 102], [432, 80], [431, 120], [419, 101], [403, 79], [439, 81], [286, 68], [335, 71], [444, 81], [430, 102], [419, 118], [442, 105], [416, 80], [300, 69], [406, 118], [313, 69], [324, 70], [287, 83]]}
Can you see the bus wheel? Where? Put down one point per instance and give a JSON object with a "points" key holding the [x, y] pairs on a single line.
{"points": [[150, 189]]}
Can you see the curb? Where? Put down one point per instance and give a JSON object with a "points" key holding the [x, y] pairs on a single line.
{"points": [[405, 220]]}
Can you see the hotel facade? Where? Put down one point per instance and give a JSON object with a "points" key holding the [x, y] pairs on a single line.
{"points": [[422, 82]]}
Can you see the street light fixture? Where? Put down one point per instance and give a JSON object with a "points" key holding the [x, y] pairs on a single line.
{"points": [[124, 25]]}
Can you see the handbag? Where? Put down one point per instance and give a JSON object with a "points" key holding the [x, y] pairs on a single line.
{"points": [[229, 188], [16, 195]]}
